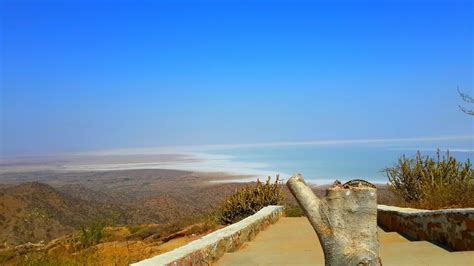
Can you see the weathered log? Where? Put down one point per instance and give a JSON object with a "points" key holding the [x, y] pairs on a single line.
{"points": [[345, 221]]}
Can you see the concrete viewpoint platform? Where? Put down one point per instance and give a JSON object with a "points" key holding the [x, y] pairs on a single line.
{"points": [[292, 241]]}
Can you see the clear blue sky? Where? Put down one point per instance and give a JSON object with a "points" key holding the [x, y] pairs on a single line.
{"points": [[97, 75]]}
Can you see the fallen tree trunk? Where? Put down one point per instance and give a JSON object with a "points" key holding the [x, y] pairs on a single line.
{"points": [[345, 221]]}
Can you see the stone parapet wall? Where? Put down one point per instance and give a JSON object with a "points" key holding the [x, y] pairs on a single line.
{"points": [[211, 247], [453, 228]]}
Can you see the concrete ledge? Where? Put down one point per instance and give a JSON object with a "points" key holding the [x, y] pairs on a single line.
{"points": [[453, 228], [212, 246]]}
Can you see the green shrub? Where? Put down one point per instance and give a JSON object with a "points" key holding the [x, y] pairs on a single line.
{"points": [[208, 223], [293, 211], [249, 200], [134, 228], [91, 235], [432, 183]]}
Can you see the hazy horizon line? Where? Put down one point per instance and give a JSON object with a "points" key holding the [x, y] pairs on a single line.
{"points": [[200, 147], [189, 148]]}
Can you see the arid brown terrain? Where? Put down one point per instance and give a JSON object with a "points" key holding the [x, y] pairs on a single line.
{"points": [[40, 206], [146, 212], [151, 211]]}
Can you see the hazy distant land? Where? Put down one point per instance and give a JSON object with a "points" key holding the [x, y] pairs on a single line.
{"points": [[184, 161], [67, 199], [42, 198], [321, 162]]}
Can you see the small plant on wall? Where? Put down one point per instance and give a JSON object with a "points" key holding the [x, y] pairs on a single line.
{"points": [[249, 200]]}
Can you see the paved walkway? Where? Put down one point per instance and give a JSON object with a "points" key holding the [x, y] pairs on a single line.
{"points": [[292, 241]]}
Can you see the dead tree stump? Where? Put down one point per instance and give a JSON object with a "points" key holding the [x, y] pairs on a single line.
{"points": [[345, 221]]}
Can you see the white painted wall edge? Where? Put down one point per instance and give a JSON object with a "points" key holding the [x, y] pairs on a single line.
{"points": [[211, 239]]}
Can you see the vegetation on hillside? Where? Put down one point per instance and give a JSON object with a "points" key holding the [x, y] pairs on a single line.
{"points": [[91, 235], [97, 244], [249, 200], [64, 202], [142, 220], [80, 219], [432, 183]]}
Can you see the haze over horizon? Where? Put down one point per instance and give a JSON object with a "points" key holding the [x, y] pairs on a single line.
{"points": [[80, 76]]}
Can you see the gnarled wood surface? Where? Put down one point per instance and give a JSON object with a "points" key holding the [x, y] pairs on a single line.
{"points": [[345, 221]]}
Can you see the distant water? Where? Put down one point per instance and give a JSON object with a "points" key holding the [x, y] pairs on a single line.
{"points": [[325, 163], [320, 162]]}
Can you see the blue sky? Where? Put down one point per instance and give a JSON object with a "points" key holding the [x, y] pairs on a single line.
{"points": [[90, 75]]}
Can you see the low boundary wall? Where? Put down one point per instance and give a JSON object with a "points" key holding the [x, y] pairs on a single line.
{"points": [[212, 246], [453, 228]]}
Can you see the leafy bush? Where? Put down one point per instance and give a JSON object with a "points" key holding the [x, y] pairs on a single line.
{"points": [[140, 232], [92, 234], [200, 228], [249, 200], [293, 211], [432, 183], [207, 223]]}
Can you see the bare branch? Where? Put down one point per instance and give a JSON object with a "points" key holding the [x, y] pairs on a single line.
{"points": [[469, 112], [465, 97]]}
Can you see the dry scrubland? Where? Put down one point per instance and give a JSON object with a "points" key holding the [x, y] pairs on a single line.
{"points": [[147, 207], [438, 182], [123, 216], [111, 216]]}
